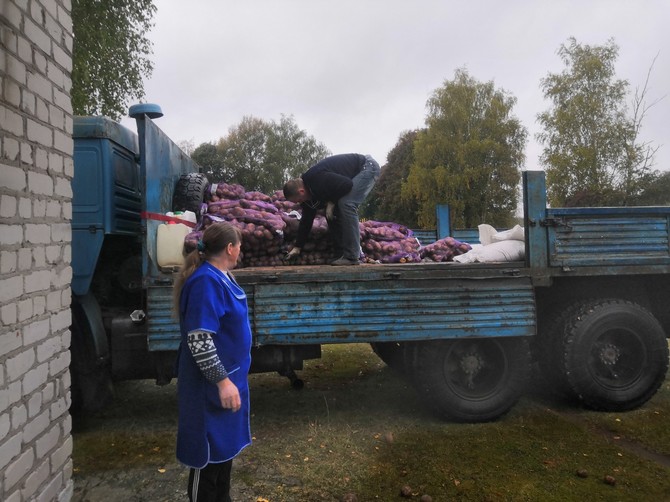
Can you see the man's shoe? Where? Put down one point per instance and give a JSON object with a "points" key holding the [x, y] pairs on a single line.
{"points": [[345, 261]]}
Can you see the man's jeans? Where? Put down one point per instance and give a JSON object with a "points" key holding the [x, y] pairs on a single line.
{"points": [[346, 224]]}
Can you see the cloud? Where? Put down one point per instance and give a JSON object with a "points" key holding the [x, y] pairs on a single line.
{"points": [[355, 74]]}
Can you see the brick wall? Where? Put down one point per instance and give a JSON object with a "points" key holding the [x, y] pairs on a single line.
{"points": [[35, 235]]}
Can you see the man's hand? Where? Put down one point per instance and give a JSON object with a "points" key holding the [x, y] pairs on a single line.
{"points": [[229, 395], [330, 211], [292, 254]]}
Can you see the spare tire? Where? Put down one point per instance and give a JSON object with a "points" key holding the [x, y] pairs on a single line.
{"points": [[190, 193]]}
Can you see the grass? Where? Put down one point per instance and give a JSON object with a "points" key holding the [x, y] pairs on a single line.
{"points": [[357, 427]]}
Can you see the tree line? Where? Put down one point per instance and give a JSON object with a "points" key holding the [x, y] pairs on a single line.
{"points": [[469, 154]]}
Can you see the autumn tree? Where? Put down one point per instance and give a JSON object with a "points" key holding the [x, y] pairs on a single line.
{"points": [[592, 154], [385, 202], [259, 154], [468, 156], [110, 54]]}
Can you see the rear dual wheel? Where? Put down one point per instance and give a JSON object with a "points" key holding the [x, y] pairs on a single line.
{"points": [[614, 353], [471, 379]]}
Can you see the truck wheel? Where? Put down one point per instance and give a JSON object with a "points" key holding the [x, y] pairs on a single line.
{"points": [[548, 350], [616, 355], [472, 380], [189, 193]]}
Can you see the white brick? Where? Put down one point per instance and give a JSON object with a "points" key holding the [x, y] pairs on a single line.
{"points": [[53, 254], [48, 392], [15, 69], [61, 232], [25, 208], [35, 479], [7, 206], [25, 259], [12, 178], [28, 102], [7, 262], [24, 50], [10, 151], [11, 288], [38, 233], [61, 278], [40, 183], [61, 320], [55, 162], [62, 454], [39, 208], [19, 468], [52, 490], [9, 449], [41, 159], [48, 441], [53, 298], [59, 408], [59, 364], [18, 365], [63, 142], [26, 153], [39, 133], [48, 349], [63, 188], [39, 257], [4, 425], [35, 378], [8, 342], [41, 110], [36, 427], [38, 281], [12, 14], [40, 61], [34, 404], [36, 332], [62, 101], [39, 305], [19, 417], [8, 315], [12, 93], [37, 35], [25, 309], [69, 167], [57, 77], [11, 235], [11, 121]]}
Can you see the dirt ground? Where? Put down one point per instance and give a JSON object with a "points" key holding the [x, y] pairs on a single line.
{"points": [[126, 452]]}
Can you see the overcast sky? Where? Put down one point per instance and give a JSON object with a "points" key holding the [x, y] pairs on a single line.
{"points": [[355, 74]]}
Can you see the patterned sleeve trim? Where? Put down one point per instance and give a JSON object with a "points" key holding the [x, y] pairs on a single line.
{"points": [[202, 347]]}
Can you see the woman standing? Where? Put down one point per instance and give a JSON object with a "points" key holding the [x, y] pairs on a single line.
{"points": [[214, 360]]}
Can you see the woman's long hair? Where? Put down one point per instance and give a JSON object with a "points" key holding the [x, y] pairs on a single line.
{"points": [[215, 240]]}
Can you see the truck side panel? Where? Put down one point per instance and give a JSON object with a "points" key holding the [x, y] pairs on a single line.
{"points": [[391, 311], [609, 237]]}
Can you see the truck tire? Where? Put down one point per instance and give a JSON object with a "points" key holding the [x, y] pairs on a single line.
{"points": [[472, 380], [189, 193], [548, 351], [615, 355]]}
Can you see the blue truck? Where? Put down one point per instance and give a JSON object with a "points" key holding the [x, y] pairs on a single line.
{"points": [[587, 308]]}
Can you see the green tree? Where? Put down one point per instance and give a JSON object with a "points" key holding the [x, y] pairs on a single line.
{"points": [[468, 156], [385, 203], [110, 54], [261, 155], [207, 157], [591, 151]]}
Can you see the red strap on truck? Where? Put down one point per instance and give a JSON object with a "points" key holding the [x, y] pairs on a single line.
{"points": [[147, 215]]}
